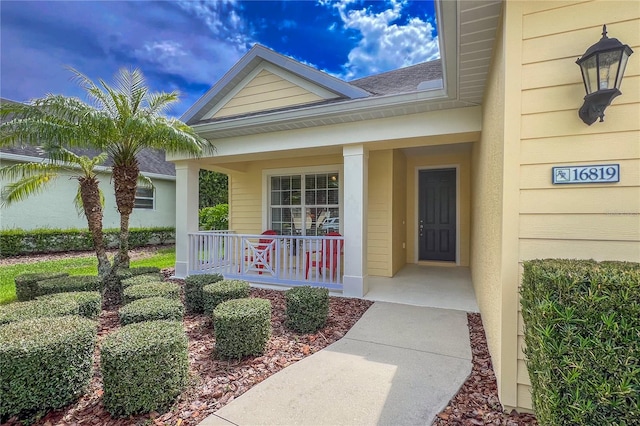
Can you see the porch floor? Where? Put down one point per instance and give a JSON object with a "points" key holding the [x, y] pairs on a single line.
{"points": [[431, 286]]}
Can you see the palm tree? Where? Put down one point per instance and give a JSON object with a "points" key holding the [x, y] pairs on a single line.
{"points": [[31, 178], [122, 120], [135, 122]]}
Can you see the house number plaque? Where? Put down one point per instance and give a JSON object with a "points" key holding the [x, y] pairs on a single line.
{"points": [[604, 173]]}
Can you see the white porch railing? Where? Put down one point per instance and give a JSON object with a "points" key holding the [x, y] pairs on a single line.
{"points": [[269, 259]]}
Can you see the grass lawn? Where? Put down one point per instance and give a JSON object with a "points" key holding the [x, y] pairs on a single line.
{"points": [[86, 265]]}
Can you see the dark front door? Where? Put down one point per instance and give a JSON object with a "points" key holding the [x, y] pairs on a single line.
{"points": [[437, 215]]}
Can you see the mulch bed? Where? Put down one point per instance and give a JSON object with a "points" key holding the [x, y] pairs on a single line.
{"points": [[213, 382], [477, 403]]}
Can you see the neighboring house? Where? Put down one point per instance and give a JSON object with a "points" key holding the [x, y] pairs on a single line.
{"points": [[54, 208], [473, 137]]}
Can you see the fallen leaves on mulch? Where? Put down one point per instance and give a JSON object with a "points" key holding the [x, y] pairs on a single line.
{"points": [[213, 382], [477, 403]]}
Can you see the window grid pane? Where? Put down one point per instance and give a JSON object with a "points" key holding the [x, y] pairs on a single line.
{"points": [[319, 208]]}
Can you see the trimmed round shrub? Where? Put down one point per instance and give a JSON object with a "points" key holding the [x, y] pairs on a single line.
{"points": [[307, 308], [90, 302], [142, 279], [242, 327], [193, 297], [151, 309], [45, 363], [27, 284], [214, 294], [157, 289], [69, 284], [20, 311], [144, 367]]}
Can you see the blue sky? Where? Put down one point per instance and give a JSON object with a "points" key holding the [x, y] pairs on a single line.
{"points": [[189, 45]]}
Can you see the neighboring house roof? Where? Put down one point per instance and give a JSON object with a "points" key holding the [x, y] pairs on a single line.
{"points": [[151, 161]]}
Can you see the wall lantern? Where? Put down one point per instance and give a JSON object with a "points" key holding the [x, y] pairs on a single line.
{"points": [[602, 67]]}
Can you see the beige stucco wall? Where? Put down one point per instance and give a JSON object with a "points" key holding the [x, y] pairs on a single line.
{"points": [[486, 202], [456, 155], [54, 208], [266, 91]]}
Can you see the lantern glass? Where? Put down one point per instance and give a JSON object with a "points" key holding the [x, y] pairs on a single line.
{"points": [[608, 69], [623, 65], [590, 74]]}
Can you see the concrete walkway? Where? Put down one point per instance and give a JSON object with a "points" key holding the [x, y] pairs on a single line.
{"points": [[399, 365]]}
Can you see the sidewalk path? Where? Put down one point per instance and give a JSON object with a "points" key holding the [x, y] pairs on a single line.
{"points": [[399, 365]]}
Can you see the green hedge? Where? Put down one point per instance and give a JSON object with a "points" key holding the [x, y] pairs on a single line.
{"points": [[27, 284], [150, 309], [155, 277], [124, 274], [242, 327], [144, 367], [69, 284], [193, 298], [45, 363], [214, 294], [307, 308], [16, 242], [158, 289], [581, 329], [20, 311], [89, 302]]}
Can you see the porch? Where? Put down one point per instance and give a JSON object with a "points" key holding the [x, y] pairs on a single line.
{"points": [[285, 260]]}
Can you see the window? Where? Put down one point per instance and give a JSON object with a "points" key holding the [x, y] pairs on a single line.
{"points": [[305, 204], [144, 198]]}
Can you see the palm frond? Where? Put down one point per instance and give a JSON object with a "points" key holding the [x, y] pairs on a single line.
{"points": [[23, 170], [23, 188], [145, 182], [159, 103]]}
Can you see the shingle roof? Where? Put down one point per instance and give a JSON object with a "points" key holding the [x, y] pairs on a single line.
{"points": [[403, 80], [150, 160]]}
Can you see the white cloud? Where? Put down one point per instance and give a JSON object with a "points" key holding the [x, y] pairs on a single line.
{"points": [[385, 45]]}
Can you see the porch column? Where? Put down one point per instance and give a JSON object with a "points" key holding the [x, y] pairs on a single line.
{"points": [[186, 212], [356, 165]]}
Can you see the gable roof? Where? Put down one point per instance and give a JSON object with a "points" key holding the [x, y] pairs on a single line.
{"points": [[249, 62]]}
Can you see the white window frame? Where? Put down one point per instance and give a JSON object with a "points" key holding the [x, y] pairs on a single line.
{"points": [[266, 187], [152, 198]]}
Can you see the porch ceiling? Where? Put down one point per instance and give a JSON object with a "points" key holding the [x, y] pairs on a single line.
{"points": [[467, 32]]}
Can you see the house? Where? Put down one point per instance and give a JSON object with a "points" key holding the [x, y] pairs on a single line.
{"points": [[54, 208], [447, 162]]}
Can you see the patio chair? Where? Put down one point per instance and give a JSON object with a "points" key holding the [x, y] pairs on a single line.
{"points": [[259, 255], [327, 257]]}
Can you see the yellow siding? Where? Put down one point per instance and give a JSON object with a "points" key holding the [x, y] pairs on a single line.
{"points": [[399, 206], [576, 221], [265, 92], [379, 213], [245, 190]]}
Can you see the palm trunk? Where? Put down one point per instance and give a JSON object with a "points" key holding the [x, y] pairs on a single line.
{"points": [[125, 179], [90, 194]]}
